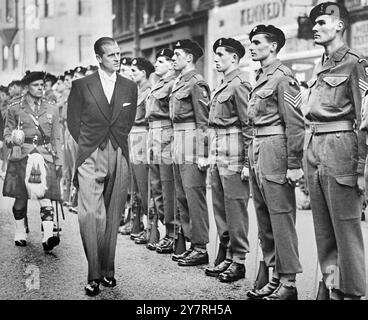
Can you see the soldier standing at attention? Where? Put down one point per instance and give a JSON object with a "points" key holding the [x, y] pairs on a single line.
{"points": [[230, 135], [39, 121], [160, 138], [335, 154], [189, 110], [275, 157], [141, 71]]}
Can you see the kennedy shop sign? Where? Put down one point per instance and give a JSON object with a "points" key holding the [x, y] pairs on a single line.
{"points": [[239, 18]]}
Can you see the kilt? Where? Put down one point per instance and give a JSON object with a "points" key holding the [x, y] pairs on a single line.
{"points": [[14, 183]]}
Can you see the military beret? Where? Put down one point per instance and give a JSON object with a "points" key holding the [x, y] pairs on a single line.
{"points": [[80, 70], [15, 83], [143, 64], [50, 77], [230, 43], [92, 68], [270, 30], [32, 76], [62, 78], [165, 53], [69, 73], [329, 8], [188, 44], [126, 61]]}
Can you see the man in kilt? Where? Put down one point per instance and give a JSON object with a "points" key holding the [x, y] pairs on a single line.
{"points": [[32, 133]]}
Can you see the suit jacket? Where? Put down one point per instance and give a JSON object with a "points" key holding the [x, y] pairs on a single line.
{"points": [[92, 120]]}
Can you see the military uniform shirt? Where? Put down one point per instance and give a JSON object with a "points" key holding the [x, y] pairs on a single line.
{"points": [[143, 93], [276, 100], [336, 91]]}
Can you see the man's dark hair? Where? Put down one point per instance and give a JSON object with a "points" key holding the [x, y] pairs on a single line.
{"points": [[188, 51], [98, 47], [272, 38], [232, 51]]}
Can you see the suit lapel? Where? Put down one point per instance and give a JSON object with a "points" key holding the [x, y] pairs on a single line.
{"points": [[121, 96], [95, 87]]}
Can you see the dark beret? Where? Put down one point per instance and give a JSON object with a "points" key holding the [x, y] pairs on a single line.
{"points": [[165, 53], [143, 64], [80, 70], [32, 76], [188, 44], [69, 73], [62, 77], [126, 61], [15, 83], [50, 77], [92, 68], [230, 43], [270, 30], [330, 8]]}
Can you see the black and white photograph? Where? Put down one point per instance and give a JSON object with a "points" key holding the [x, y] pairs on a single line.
{"points": [[183, 156]]}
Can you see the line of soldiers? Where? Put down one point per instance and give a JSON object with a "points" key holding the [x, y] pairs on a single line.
{"points": [[250, 139], [254, 139]]}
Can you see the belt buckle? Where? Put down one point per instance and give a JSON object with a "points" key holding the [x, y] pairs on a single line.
{"points": [[35, 140], [313, 128]]}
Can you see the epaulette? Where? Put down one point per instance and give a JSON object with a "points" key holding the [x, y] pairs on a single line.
{"points": [[357, 55], [285, 70], [243, 77]]}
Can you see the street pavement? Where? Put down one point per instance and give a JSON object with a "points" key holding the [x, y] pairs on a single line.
{"points": [[30, 274]]}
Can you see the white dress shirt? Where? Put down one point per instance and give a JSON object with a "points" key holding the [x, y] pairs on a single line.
{"points": [[108, 83]]}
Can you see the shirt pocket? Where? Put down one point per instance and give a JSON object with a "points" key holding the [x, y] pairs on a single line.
{"points": [[335, 88], [224, 105], [183, 102], [263, 99]]}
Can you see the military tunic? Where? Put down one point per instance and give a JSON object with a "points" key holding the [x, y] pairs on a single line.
{"points": [[189, 108], [335, 155], [160, 136], [138, 147], [230, 136], [274, 111], [21, 112]]}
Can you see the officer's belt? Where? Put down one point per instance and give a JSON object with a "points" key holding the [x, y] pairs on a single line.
{"points": [[160, 124], [268, 131], [184, 126], [228, 130], [326, 127], [138, 129], [37, 141]]}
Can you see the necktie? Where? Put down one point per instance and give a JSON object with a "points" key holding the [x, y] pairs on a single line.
{"points": [[259, 73]]}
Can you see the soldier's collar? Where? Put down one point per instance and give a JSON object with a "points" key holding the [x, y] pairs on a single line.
{"points": [[145, 86], [186, 76], [230, 76], [168, 77], [272, 67], [340, 53]]}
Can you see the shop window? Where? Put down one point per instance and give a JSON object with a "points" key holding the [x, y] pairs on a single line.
{"points": [[10, 10], [153, 11], [16, 55], [84, 8], [84, 47], [5, 57], [49, 8]]}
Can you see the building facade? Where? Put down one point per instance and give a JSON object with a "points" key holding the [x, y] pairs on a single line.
{"points": [[51, 35], [162, 23]]}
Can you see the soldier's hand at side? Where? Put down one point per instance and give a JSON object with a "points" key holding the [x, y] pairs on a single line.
{"points": [[1, 144], [59, 171], [294, 175], [202, 164], [361, 183], [9, 144], [244, 176]]}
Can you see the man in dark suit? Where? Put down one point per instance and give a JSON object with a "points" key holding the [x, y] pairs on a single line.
{"points": [[101, 112]]}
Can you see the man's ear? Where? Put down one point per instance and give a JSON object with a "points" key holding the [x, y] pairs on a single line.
{"points": [[99, 59], [340, 26]]}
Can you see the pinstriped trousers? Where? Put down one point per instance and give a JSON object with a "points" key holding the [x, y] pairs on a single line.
{"points": [[103, 188]]}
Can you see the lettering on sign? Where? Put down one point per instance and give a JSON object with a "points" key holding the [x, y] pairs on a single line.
{"points": [[263, 12]]}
